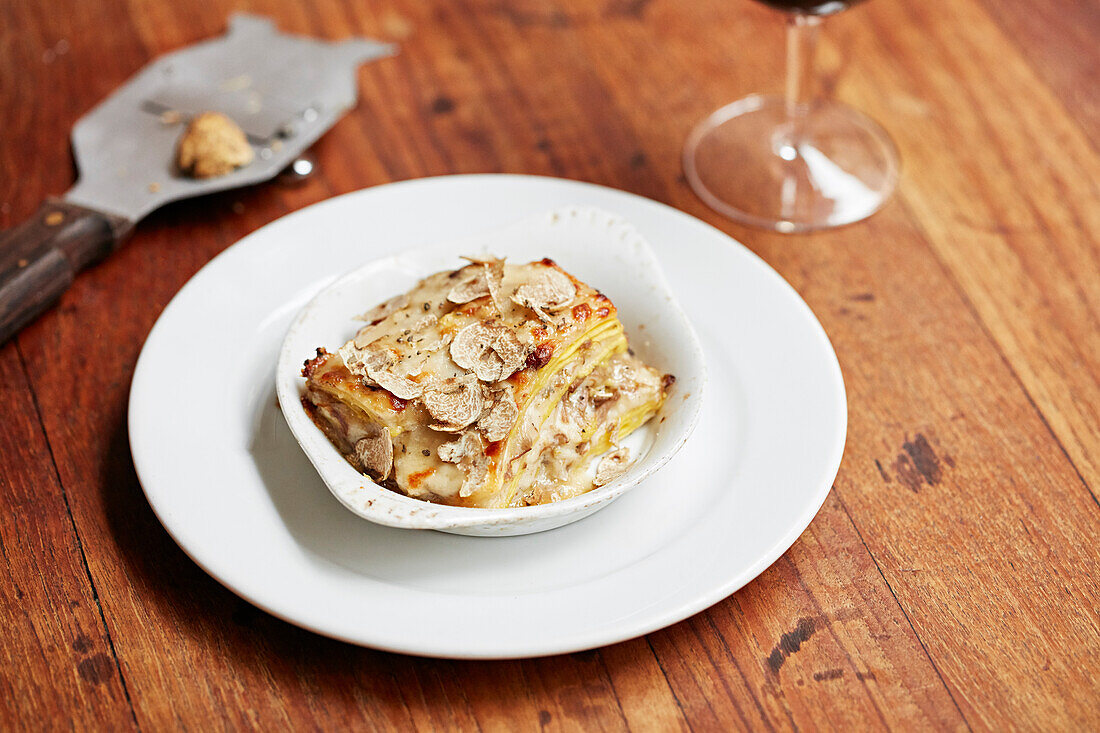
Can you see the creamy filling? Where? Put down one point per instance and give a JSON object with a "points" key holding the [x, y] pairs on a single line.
{"points": [[599, 408], [618, 396]]}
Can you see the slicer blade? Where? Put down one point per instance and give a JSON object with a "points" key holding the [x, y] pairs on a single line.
{"points": [[284, 90]]}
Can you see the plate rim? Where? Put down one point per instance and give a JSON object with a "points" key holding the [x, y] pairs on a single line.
{"points": [[574, 641]]}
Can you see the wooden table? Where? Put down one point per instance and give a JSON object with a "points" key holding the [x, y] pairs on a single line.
{"points": [[949, 581]]}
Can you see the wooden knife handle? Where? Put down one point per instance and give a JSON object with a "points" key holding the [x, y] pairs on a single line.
{"points": [[40, 257]]}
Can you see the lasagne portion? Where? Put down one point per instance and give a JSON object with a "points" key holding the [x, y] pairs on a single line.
{"points": [[493, 385]]}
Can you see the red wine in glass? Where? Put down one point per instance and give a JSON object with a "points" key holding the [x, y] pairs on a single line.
{"points": [[810, 7]]}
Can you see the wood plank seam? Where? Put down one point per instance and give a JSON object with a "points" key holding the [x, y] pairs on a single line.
{"points": [[949, 274], [317, 26], [664, 674], [829, 625], [992, 139], [740, 672], [465, 698], [76, 534], [611, 686], [704, 618], [904, 613], [1027, 359], [1029, 61]]}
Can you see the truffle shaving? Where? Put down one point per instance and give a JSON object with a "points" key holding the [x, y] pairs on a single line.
{"points": [[472, 286], [380, 311], [375, 454], [374, 364], [468, 453], [497, 421], [492, 352], [455, 402], [368, 334], [612, 465], [494, 275], [547, 290]]}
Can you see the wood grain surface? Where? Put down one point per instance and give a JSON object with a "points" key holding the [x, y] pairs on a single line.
{"points": [[949, 582]]}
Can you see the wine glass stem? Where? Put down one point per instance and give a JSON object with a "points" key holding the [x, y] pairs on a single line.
{"points": [[801, 45]]}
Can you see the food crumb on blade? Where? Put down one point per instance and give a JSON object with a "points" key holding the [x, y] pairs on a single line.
{"points": [[212, 145]]}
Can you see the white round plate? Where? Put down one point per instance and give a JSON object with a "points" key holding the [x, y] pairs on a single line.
{"points": [[231, 485]]}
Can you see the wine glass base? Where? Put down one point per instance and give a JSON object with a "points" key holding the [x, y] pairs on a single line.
{"points": [[752, 163]]}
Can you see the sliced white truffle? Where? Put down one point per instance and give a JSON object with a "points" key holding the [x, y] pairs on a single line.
{"points": [[612, 465], [466, 446], [494, 275], [353, 358], [426, 322], [579, 407], [380, 311], [468, 453], [492, 352], [374, 364], [398, 386], [511, 351], [472, 285], [475, 477], [368, 334], [498, 420], [375, 454], [548, 289], [455, 402]]}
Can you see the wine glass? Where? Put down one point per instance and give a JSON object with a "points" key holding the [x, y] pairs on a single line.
{"points": [[794, 163]]}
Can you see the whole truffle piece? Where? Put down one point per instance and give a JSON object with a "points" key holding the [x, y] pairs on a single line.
{"points": [[212, 145]]}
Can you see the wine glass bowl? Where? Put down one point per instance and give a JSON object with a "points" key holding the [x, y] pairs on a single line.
{"points": [[793, 163]]}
